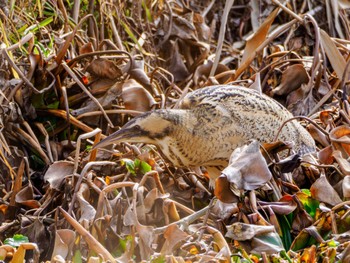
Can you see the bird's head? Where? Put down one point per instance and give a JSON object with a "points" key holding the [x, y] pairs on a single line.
{"points": [[149, 127]]}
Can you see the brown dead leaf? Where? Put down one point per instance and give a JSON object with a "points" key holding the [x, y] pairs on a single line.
{"points": [[223, 190], [301, 220], [87, 211], [240, 231], [26, 197], [57, 172], [137, 72], [136, 97], [325, 155], [340, 139], [247, 168], [346, 186], [298, 103], [284, 207], [203, 30], [86, 48], [104, 68], [342, 162], [322, 191], [318, 136], [176, 63], [64, 241], [335, 58], [173, 237], [145, 233], [203, 71], [292, 78], [90, 240], [254, 43]]}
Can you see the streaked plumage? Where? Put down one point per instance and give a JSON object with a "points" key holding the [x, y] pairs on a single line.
{"points": [[210, 123]]}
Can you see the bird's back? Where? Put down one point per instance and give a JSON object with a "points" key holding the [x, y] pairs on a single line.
{"points": [[225, 117]]}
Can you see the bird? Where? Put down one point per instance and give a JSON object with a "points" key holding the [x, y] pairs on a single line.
{"points": [[210, 123]]}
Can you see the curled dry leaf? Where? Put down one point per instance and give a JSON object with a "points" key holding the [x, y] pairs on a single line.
{"points": [[335, 58], [301, 220], [322, 191], [145, 233], [289, 164], [298, 103], [254, 42], [342, 162], [318, 136], [138, 73], [292, 78], [247, 168], [224, 210], [64, 241], [106, 100], [176, 64], [340, 139], [203, 30], [104, 68], [327, 119], [86, 48], [57, 172], [346, 186], [240, 231], [284, 207], [173, 237], [203, 71], [26, 197], [87, 211], [325, 155], [136, 97]]}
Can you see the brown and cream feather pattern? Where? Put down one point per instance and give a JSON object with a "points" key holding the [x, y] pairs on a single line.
{"points": [[210, 123]]}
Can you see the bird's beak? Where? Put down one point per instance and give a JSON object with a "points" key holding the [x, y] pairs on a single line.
{"points": [[123, 135]]}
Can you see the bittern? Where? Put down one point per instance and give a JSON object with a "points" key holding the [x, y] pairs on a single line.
{"points": [[210, 123]]}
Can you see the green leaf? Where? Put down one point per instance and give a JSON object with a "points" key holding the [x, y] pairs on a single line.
{"points": [[16, 240], [311, 205], [147, 11], [131, 34], [286, 231], [159, 259], [333, 243], [129, 164], [137, 164], [53, 105], [77, 257], [145, 167]]}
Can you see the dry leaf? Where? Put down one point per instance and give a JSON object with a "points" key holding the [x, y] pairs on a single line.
{"points": [[57, 172], [104, 68], [342, 162], [292, 78], [340, 139], [173, 236], [335, 58], [346, 186], [247, 168], [254, 43], [64, 241], [203, 71], [136, 97], [322, 191]]}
